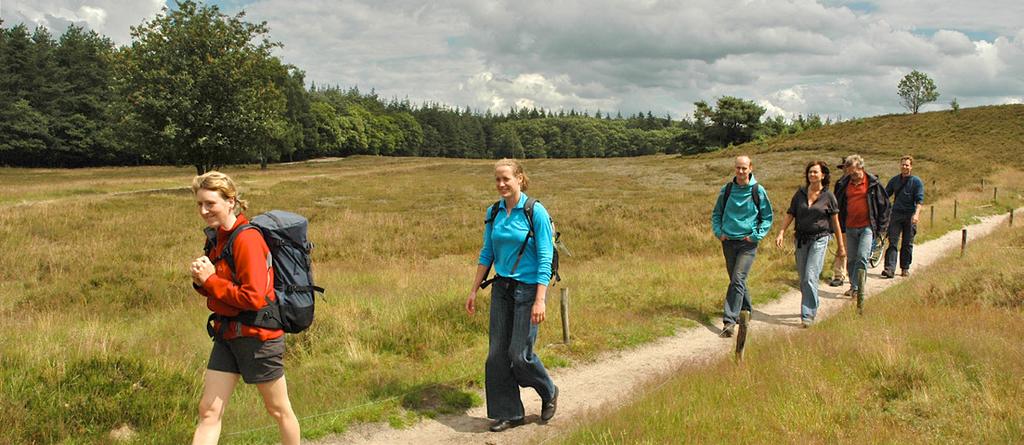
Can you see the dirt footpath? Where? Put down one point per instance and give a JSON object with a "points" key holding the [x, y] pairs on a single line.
{"points": [[612, 379]]}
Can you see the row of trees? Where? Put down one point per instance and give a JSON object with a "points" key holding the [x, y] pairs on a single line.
{"points": [[198, 87]]}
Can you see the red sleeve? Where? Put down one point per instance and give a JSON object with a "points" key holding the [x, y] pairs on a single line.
{"points": [[251, 253], [200, 289]]}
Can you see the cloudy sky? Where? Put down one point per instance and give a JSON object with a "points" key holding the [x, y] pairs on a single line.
{"points": [[832, 57]]}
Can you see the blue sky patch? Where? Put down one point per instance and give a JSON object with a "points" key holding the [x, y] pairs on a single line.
{"points": [[989, 36]]}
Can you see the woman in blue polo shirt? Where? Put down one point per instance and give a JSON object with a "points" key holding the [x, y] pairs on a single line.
{"points": [[517, 299]]}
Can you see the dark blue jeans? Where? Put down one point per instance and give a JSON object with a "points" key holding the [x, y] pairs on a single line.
{"points": [[511, 362], [901, 232], [739, 257]]}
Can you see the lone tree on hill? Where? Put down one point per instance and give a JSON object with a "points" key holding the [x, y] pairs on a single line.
{"points": [[917, 89]]}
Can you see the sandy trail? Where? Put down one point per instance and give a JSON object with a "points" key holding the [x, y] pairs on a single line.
{"points": [[612, 379]]}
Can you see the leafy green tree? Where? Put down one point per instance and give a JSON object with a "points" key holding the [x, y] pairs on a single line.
{"points": [[410, 134], [24, 136], [200, 87], [357, 135], [327, 125], [735, 120], [507, 143], [299, 137], [916, 89]]}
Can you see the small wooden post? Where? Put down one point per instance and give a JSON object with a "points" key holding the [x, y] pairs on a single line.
{"points": [[982, 184], [955, 205], [1011, 217], [564, 303], [995, 193], [931, 221], [963, 241]]}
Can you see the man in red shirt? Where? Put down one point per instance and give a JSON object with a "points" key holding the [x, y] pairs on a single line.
{"points": [[863, 212]]}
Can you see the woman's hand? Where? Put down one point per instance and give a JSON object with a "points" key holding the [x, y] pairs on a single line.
{"points": [[201, 270], [537, 315], [778, 239], [842, 252], [471, 303]]}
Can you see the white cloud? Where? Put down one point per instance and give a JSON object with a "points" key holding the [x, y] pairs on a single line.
{"points": [[112, 18], [531, 90], [829, 57], [953, 43]]}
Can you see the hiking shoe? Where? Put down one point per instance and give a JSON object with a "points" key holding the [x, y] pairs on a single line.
{"points": [[905, 273], [887, 274], [805, 323], [504, 424], [547, 409], [836, 282], [849, 292], [727, 330]]}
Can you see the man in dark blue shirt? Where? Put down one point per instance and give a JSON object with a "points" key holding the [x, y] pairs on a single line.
{"points": [[907, 192]]}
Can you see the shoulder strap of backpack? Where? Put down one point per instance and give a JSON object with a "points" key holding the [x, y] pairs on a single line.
{"points": [[528, 210], [490, 220], [227, 253], [755, 194], [725, 201], [901, 183], [494, 212]]}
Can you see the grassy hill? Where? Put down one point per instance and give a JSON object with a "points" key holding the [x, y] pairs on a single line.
{"points": [[955, 148], [107, 331]]}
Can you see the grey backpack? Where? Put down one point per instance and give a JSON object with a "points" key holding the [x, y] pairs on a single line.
{"points": [[285, 235]]}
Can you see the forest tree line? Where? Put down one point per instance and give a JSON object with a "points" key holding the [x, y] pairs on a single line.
{"points": [[198, 87]]}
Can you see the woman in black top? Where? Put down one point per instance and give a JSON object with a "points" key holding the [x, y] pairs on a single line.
{"points": [[817, 216]]}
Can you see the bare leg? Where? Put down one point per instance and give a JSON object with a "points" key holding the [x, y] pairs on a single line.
{"points": [[275, 399], [217, 388]]}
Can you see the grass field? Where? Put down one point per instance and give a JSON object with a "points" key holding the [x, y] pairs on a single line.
{"points": [[108, 331], [938, 359]]}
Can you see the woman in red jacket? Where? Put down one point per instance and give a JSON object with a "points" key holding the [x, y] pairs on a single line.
{"points": [[256, 354]]}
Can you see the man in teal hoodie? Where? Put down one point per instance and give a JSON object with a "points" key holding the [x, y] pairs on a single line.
{"points": [[742, 217]]}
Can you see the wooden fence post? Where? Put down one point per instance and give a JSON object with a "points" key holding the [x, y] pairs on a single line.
{"points": [[955, 205], [963, 241], [564, 303], [931, 222]]}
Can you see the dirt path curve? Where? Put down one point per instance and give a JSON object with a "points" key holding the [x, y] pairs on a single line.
{"points": [[613, 378]]}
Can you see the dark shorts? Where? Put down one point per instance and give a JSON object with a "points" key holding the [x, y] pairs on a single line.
{"points": [[257, 361]]}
